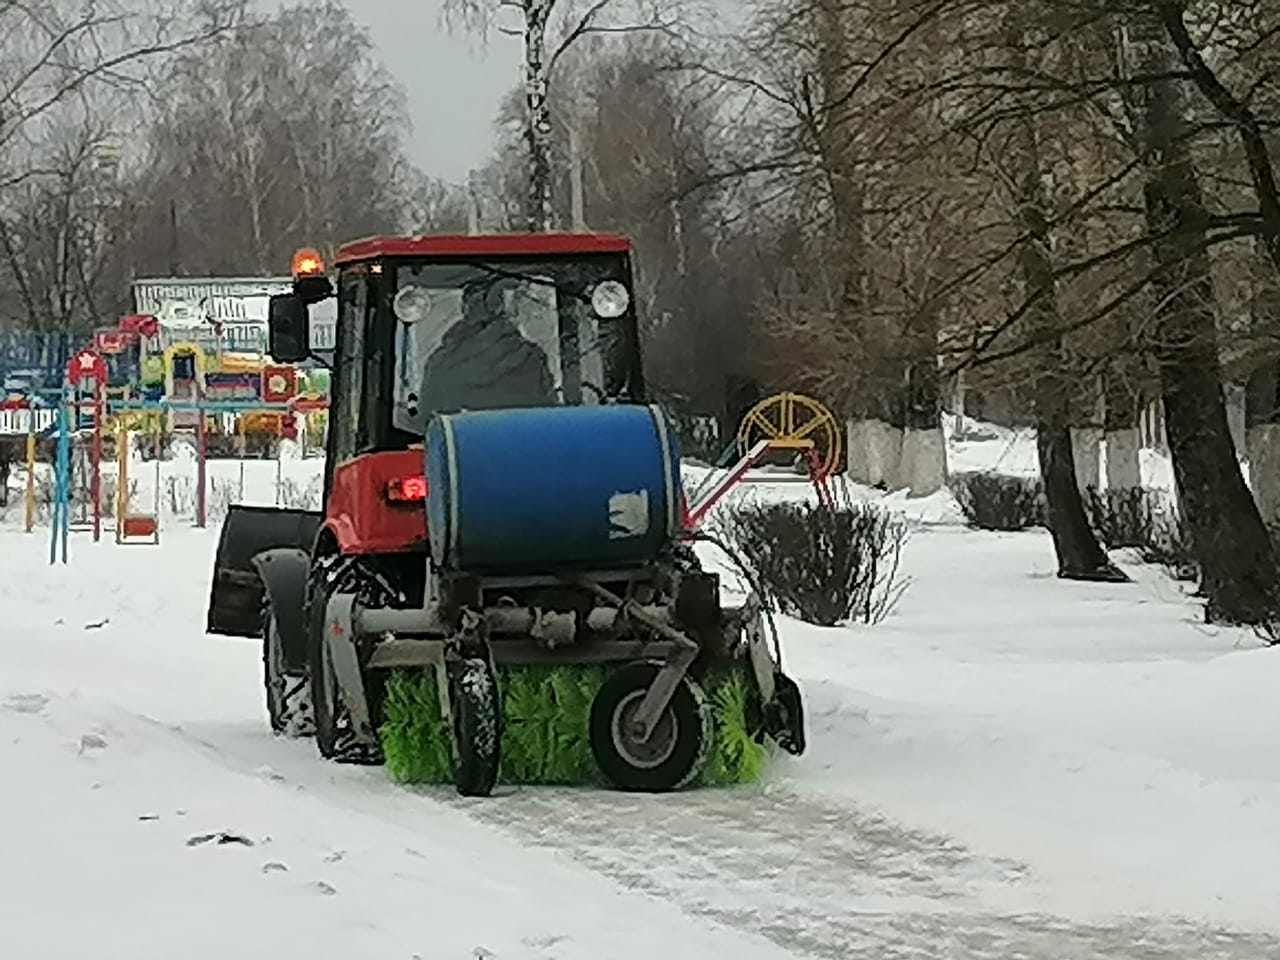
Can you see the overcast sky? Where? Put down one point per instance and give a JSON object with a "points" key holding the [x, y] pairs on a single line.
{"points": [[454, 85]]}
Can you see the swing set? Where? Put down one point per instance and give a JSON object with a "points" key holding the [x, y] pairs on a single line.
{"points": [[78, 465], [85, 416]]}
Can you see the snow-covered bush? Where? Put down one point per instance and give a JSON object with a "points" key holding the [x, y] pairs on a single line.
{"points": [[992, 501], [180, 495], [822, 565], [296, 496], [223, 492]]}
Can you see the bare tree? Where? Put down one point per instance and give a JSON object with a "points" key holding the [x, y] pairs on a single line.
{"points": [[288, 132], [52, 50], [70, 77], [1235, 110], [548, 30], [57, 230], [1052, 211], [642, 133], [433, 205], [1236, 556], [1080, 557]]}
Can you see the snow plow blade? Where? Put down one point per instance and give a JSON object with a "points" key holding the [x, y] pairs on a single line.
{"points": [[235, 598]]}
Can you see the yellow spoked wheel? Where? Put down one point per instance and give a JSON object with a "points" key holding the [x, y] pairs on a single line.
{"points": [[792, 421]]}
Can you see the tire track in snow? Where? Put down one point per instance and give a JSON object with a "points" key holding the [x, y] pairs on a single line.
{"points": [[819, 878], [827, 880]]}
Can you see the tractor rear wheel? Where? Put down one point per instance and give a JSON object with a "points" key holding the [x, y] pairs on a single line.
{"points": [[288, 695], [477, 727], [674, 754]]}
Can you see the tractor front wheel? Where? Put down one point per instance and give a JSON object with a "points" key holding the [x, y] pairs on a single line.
{"points": [[477, 727], [674, 754]]}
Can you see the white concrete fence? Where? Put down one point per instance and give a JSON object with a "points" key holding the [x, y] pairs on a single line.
{"points": [[916, 460]]}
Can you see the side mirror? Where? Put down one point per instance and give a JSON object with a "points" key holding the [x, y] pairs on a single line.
{"points": [[288, 329]]}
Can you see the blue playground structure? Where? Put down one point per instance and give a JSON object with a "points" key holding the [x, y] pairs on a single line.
{"points": [[33, 361]]}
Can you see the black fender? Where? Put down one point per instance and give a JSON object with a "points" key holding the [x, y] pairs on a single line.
{"points": [[284, 572], [236, 593]]}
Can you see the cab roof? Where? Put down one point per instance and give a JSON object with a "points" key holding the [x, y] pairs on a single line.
{"points": [[482, 245]]}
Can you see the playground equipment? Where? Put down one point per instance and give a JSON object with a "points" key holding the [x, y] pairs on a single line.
{"points": [[540, 528], [787, 424], [199, 412], [797, 423], [79, 433], [184, 384], [121, 378], [121, 349], [24, 416], [60, 527], [84, 416], [133, 527], [79, 465]]}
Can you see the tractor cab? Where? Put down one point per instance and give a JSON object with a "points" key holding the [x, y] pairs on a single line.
{"points": [[433, 325]]}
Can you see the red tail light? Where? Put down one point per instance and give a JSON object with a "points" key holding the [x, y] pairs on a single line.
{"points": [[407, 489]]}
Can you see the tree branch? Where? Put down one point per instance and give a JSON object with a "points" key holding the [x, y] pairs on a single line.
{"points": [[1256, 152]]}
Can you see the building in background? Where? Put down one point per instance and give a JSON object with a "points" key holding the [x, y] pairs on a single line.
{"points": [[223, 314]]}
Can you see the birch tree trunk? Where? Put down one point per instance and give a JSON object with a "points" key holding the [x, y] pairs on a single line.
{"points": [[1237, 563], [538, 210]]}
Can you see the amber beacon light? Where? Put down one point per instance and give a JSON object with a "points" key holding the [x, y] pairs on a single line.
{"points": [[307, 262]]}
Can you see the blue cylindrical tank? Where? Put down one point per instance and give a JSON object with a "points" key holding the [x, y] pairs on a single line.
{"points": [[548, 489]]}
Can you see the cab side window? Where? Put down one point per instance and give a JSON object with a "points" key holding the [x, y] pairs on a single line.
{"points": [[349, 372]]}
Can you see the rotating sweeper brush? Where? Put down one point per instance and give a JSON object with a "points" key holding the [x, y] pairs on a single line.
{"points": [[509, 596]]}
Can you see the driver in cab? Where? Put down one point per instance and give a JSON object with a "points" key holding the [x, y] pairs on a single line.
{"points": [[484, 361]]}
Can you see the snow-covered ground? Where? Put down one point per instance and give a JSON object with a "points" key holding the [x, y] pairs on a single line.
{"points": [[1008, 767], [1012, 452]]}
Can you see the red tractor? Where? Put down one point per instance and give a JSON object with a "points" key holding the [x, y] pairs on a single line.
{"points": [[496, 492]]}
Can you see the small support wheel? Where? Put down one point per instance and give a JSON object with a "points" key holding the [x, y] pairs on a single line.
{"points": [[288, 695], [477, 727], [677, 750]]}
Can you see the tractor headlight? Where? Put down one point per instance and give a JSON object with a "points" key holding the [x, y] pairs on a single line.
{"points": [[411, 304], [610, 299]]}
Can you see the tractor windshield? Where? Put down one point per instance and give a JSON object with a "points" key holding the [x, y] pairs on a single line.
{"points": [[477, 336]]}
